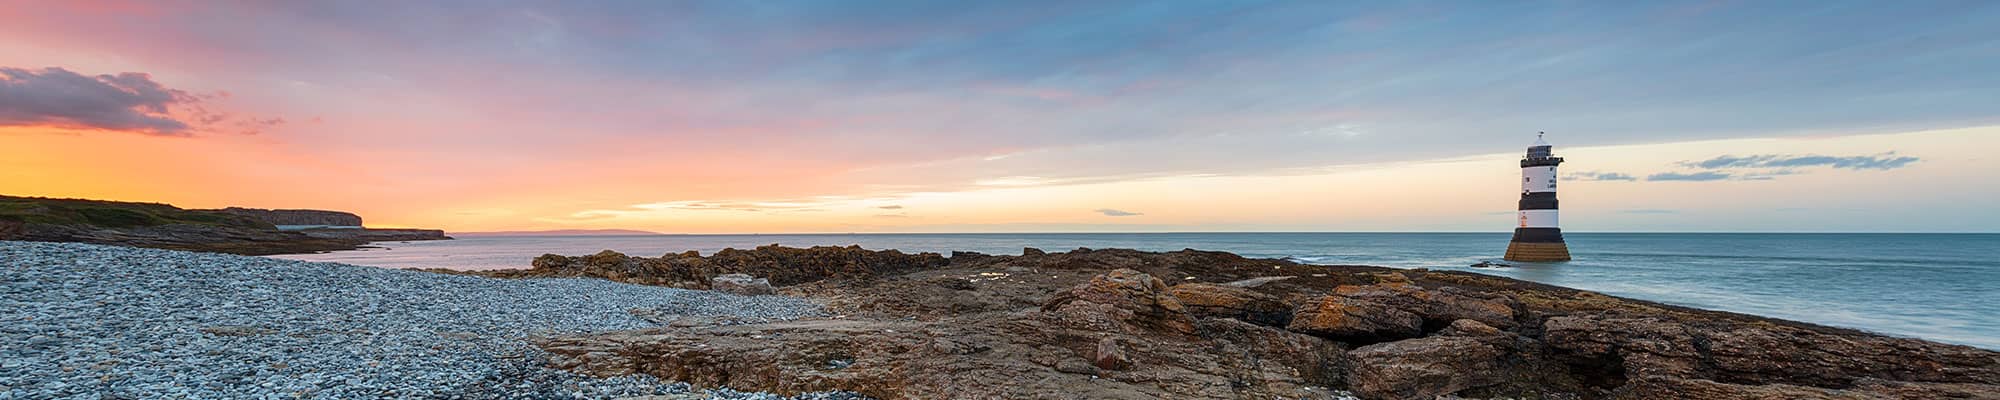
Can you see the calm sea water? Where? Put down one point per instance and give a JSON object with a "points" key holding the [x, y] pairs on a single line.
{"points": [[1943, 287]]}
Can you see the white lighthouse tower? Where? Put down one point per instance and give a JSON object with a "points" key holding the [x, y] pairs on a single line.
{"points": [[1536, 235]]}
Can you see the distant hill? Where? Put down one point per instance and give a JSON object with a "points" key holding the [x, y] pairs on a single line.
{"points": [[232, 230], [116, 214], [561, 232]]}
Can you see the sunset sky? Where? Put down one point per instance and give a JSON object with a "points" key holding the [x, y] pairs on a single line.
{"points": [[766, 117]]}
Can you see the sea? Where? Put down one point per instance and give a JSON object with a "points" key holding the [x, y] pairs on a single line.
{"points": [[1943, 287]]}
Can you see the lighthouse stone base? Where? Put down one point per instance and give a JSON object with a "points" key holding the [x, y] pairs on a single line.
{"points": [[1537, 251]]}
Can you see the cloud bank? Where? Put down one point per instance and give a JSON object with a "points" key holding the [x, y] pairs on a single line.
{"points": [[129, 101], [125, 102], [1599, 176], [1688, 177], [1116, 213], [1764, 167], [1884, 161]]}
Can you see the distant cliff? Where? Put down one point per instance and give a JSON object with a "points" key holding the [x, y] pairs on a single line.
{"points": [[297, 217], [231, 230]]}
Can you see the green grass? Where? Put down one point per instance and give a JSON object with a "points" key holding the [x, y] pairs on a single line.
{"points": [[113, 214]]}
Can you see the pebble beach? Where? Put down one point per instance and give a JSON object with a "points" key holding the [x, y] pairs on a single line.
{"points": [[89, 322]]}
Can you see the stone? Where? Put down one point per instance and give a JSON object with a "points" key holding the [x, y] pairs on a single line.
{"points": [[1075, 366], [1277, 355], [1466, 327], [235, 330], [1437, 307], [1122, 300], [1423, 368], [1640, 346], [1209, 300], [741, 284], [1354, 320], [1658, 387]]}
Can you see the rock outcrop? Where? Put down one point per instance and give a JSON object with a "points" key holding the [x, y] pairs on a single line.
{"points": [[1354, 320], [741, 284], [1210, 300], [1106, 324], [296, 217], [1424, 368], [1122, 300], [782, 266]]}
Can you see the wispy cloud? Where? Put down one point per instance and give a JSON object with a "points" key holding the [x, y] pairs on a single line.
{"points": [[1884, 161], [1688, 177], [1108, 212], [1599, 176], [891, 207]]}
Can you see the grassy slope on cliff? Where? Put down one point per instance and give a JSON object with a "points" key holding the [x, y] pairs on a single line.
{"points": [[114, 214]]}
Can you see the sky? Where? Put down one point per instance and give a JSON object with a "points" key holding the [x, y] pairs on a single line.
{"points": [[858, 116]]}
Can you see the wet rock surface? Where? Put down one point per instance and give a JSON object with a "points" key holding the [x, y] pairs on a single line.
{"points": [[1127, 324]]}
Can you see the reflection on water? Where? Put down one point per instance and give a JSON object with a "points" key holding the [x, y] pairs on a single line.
{"points": [[1937, 286]]}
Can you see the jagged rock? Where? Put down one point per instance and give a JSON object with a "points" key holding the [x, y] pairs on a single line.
{"points": [[1276, 355], [903, 360], [1674, 388], [1423, 368], [1035, 329], [1638, 346], [1030, 251], [1222, 301], [1438, 307], [967, 256], [1799, 357], [1466, 327], [741, 284], [1661, 387], [1122, 300], [1354, 320], [781, 266], [297, 217]]}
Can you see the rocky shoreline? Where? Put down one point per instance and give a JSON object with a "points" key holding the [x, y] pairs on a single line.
{"points": [[111, 322], [1127, 324]]}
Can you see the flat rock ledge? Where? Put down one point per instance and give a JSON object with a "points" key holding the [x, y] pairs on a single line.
{"points": [[1123, 324]]}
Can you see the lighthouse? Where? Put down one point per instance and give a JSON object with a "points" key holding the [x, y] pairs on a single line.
{"points": [[1536, 236]]}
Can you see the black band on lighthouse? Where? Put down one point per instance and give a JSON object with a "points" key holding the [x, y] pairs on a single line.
{"points": [[1538, 201], [1538, 235]]}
